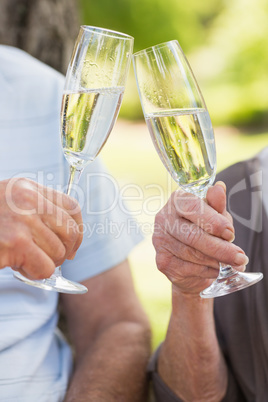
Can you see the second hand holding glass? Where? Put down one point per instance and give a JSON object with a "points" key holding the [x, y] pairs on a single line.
{"points": [[93, 92], [181, 130]]}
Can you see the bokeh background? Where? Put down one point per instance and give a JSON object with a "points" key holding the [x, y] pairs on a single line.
{"points": [[226, 43]]}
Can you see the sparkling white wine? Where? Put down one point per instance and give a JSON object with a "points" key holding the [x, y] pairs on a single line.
{"points": [[184, 140], [87, 118]]}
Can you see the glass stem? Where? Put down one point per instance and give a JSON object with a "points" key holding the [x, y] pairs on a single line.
{"points": [[74, 177], [225, 269], [57, 272]]}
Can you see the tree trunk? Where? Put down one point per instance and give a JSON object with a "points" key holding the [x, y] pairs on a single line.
{"points": [[44, 28]]}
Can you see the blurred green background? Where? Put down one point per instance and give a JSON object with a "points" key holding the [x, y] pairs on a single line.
{"points": [[226, 43]]}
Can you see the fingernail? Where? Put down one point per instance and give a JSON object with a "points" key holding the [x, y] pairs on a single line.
{"points": [[241, 259], [228, 235], [222, 184]]}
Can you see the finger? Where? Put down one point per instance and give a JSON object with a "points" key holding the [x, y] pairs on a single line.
{"points": [[34, 262], [199, 212], [71, 207], [69, 204], [184, 252], [25, 274], [65, 227], [32, 189], [212, 246], [49, 242], [191, 270], [216, 197], [188, 277], [46, 202], [229, 217]]}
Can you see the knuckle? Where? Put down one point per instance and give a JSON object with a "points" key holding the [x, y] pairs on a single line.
{"points": [[162, 261], [186, 204], [23, 182], [212, 224], [27, 198], [25, 185], [226, 251], [195, 256], [18, 240]]}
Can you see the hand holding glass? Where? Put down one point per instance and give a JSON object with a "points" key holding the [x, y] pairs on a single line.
{"points": [[181, 130], [91, 101]]}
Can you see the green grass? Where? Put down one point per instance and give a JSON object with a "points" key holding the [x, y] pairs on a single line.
{"points": [[130, 156]]}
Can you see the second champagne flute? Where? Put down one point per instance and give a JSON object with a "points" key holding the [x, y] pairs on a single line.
{"points": [[93, 92], [181, 130]]}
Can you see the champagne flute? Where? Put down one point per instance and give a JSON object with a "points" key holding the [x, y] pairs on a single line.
{"points": [[182, 133], [91, 101]]}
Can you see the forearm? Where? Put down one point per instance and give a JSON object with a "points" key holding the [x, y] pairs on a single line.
{"points": [[190, 361], [114, 367]]}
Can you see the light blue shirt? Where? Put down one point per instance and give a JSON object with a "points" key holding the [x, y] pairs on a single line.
{"points": [[35, 360]]}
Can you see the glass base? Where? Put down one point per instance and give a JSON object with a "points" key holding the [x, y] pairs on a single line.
{"points": [[55, 283], [232, 283]]}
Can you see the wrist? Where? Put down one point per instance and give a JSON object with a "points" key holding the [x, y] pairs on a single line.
{"points": [[192, 314], [188, 299]]}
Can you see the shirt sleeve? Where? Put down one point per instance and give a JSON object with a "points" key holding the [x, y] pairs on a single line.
{"points": [[233, 393], [109, 230], [162, 393]]}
